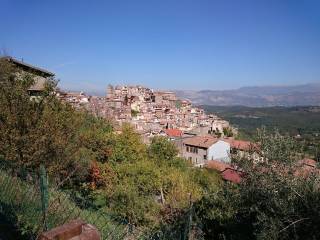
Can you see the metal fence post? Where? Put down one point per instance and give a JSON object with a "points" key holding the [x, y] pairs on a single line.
{"points": [[44, 195]]}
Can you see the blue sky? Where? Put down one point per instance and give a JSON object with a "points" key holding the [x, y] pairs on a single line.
{"points": [[166, 44]]}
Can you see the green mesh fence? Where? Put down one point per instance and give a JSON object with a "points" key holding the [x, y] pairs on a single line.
{"points": [[21, 201]]}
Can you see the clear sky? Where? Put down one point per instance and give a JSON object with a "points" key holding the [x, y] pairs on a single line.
{"points": [[166, 44]]}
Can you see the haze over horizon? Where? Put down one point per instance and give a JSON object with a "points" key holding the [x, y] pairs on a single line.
{"points": [[102, 89], [187, 45]]}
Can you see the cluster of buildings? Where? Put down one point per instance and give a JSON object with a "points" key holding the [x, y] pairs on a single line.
{"points": [[80, 100], [151, 112]]}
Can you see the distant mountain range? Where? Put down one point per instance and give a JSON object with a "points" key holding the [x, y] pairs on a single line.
{"points": [[298, 95]]}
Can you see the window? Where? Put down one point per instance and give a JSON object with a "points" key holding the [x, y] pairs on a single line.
{"points": [[205, 157], [233, 151], [191, 149], [190, 159], [195, 150]]}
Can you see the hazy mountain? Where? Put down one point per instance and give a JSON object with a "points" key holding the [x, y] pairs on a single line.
{"points": [[299, 95]]}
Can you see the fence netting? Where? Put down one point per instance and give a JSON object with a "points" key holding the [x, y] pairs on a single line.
{"points": [[28, 201]]}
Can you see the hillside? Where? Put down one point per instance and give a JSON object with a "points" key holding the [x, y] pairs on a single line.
{"points": [[266, 96], [293, 120]]}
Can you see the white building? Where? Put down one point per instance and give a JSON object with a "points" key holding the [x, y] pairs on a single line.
{"points": [[200, 149]]}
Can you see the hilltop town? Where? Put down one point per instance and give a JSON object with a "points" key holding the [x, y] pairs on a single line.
{"points": [[149, 111]]}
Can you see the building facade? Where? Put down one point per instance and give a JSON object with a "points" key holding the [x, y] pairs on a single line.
{"points": [[201, 149]]}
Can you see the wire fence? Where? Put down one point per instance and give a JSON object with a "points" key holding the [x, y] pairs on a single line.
{"points": [[28, 201], [23, 201]]}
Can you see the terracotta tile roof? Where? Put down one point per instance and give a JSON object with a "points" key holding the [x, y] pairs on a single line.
{"points": [[227, 172], [240, 144], [232, 175], [173, 132], [201, 141], [217, 165], [304, 168]]}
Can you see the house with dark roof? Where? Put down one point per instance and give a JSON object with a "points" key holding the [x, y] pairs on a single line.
{"points": [[40, 75], [200, 149]]}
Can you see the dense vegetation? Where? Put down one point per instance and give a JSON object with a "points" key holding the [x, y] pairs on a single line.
{"points": [[272, 202], [149, 186]]}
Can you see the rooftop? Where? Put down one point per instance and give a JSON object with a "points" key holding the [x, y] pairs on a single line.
{"points": [[232, 175], [227, 172], [240, 144], [173, 132], [201, 141], [29, 67], [217, 165]]}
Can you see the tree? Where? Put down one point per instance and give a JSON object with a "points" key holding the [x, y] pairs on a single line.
{"points": [[280, 203], [22, 124], [133, 198], [227, 132], [271, 202], [45, 130], [127, 146], [162, 150], [140, 183]]}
